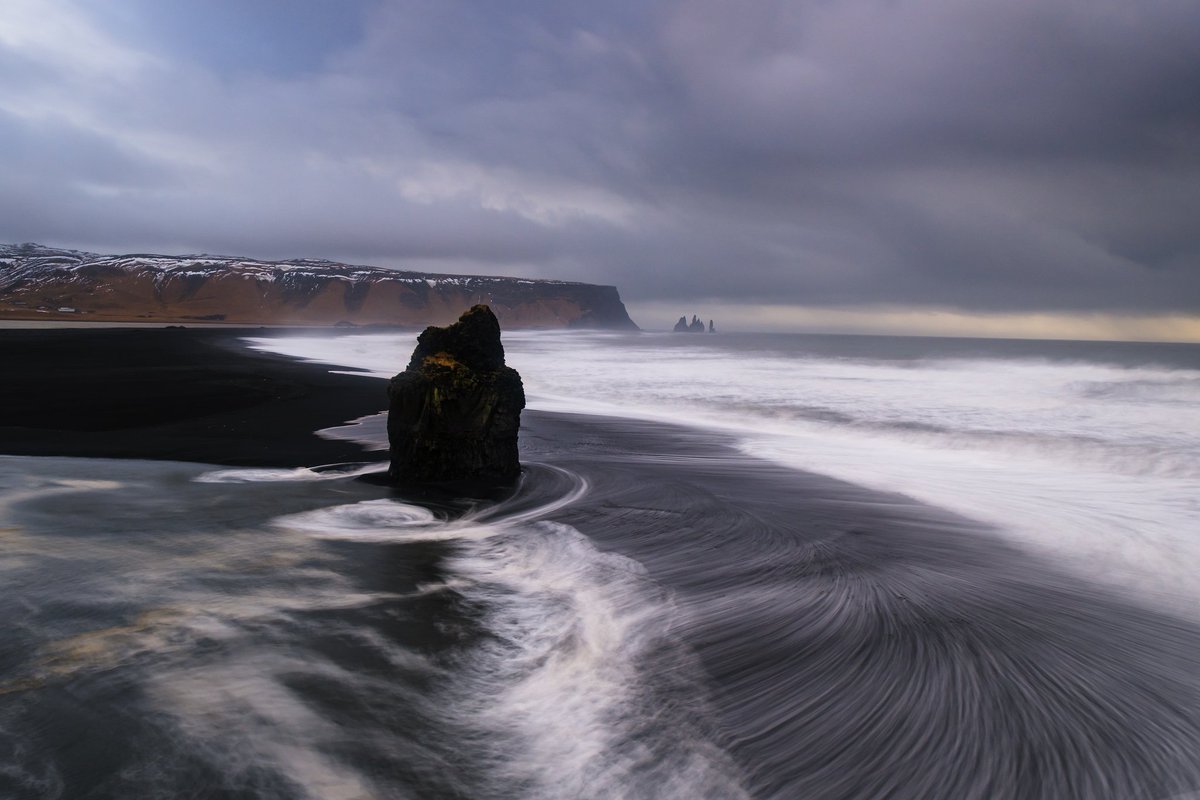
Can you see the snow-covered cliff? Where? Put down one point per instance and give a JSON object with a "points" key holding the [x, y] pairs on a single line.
{"points": [[39, 282]]}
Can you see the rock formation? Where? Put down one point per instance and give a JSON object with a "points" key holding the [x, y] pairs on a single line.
{"points": [[46, 283], [695, 326], [456, 410]]}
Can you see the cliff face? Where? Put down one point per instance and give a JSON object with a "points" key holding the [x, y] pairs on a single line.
{"points": [[44, 283]]}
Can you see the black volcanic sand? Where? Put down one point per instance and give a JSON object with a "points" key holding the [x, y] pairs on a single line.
{"points": [[192, 394], [851, 644]]}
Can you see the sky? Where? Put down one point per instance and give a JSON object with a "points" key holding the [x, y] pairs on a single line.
{"points": [[996, 167]]}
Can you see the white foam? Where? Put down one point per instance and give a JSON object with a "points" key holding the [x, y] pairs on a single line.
{"points": [[556, 693], [269, 475], [578, 488], [370, 521], [1097, 464], [566, 672]]}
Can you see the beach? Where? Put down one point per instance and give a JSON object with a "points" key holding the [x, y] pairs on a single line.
{"points": [[653, 611], [170, 393]]}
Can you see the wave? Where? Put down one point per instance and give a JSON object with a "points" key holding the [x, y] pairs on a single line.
{"points": [[1092, 456], [577, 685], [867, 645], [726, 628], [329, 472]]}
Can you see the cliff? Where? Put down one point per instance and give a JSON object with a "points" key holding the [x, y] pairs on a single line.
{"points": [[45, 283]]}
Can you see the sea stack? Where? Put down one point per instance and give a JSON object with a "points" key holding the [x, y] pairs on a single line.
{"points": [[695, 326], [456, 409]]}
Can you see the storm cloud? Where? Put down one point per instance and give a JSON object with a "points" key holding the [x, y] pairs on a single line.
{"points": [[975, 155]]}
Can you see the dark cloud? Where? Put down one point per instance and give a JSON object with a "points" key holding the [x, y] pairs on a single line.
{"points": [[984, 155]]}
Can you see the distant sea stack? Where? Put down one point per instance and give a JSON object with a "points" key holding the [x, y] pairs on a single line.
{"points": [[44, 283], [455, 411], [695, 326]]}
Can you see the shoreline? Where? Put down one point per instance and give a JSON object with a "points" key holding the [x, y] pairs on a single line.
{"points": [[174, 394], [850, 642]]}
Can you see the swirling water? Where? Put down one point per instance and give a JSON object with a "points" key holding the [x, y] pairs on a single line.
{"points": [[1089, 451], [182, 631], [656, 611]]}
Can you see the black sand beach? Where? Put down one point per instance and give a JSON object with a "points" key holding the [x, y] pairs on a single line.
{"points": [[702, 623], [190, 394]]}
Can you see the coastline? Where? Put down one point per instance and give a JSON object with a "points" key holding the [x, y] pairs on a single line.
{"points": [[848, 642]]}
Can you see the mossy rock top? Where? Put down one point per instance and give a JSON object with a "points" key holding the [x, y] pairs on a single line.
{"points": [[473, 341]]}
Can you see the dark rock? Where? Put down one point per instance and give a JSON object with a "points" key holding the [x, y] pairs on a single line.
{"points": [[456, 410], [695, 326]]}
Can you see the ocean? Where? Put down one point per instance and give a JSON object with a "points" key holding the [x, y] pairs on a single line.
{"points": [[1087, 450], [781, 566]]}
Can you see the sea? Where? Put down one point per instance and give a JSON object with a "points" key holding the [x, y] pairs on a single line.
{"points": [[737, 565]]}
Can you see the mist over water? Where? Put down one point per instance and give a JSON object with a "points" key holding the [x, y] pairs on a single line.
{"points": [[1087, 451]]}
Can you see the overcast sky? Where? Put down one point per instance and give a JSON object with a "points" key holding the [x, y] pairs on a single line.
{"points": [[786, 162]]}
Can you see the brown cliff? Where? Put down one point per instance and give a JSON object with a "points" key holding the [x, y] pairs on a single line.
{"points": [[43, 283]]}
